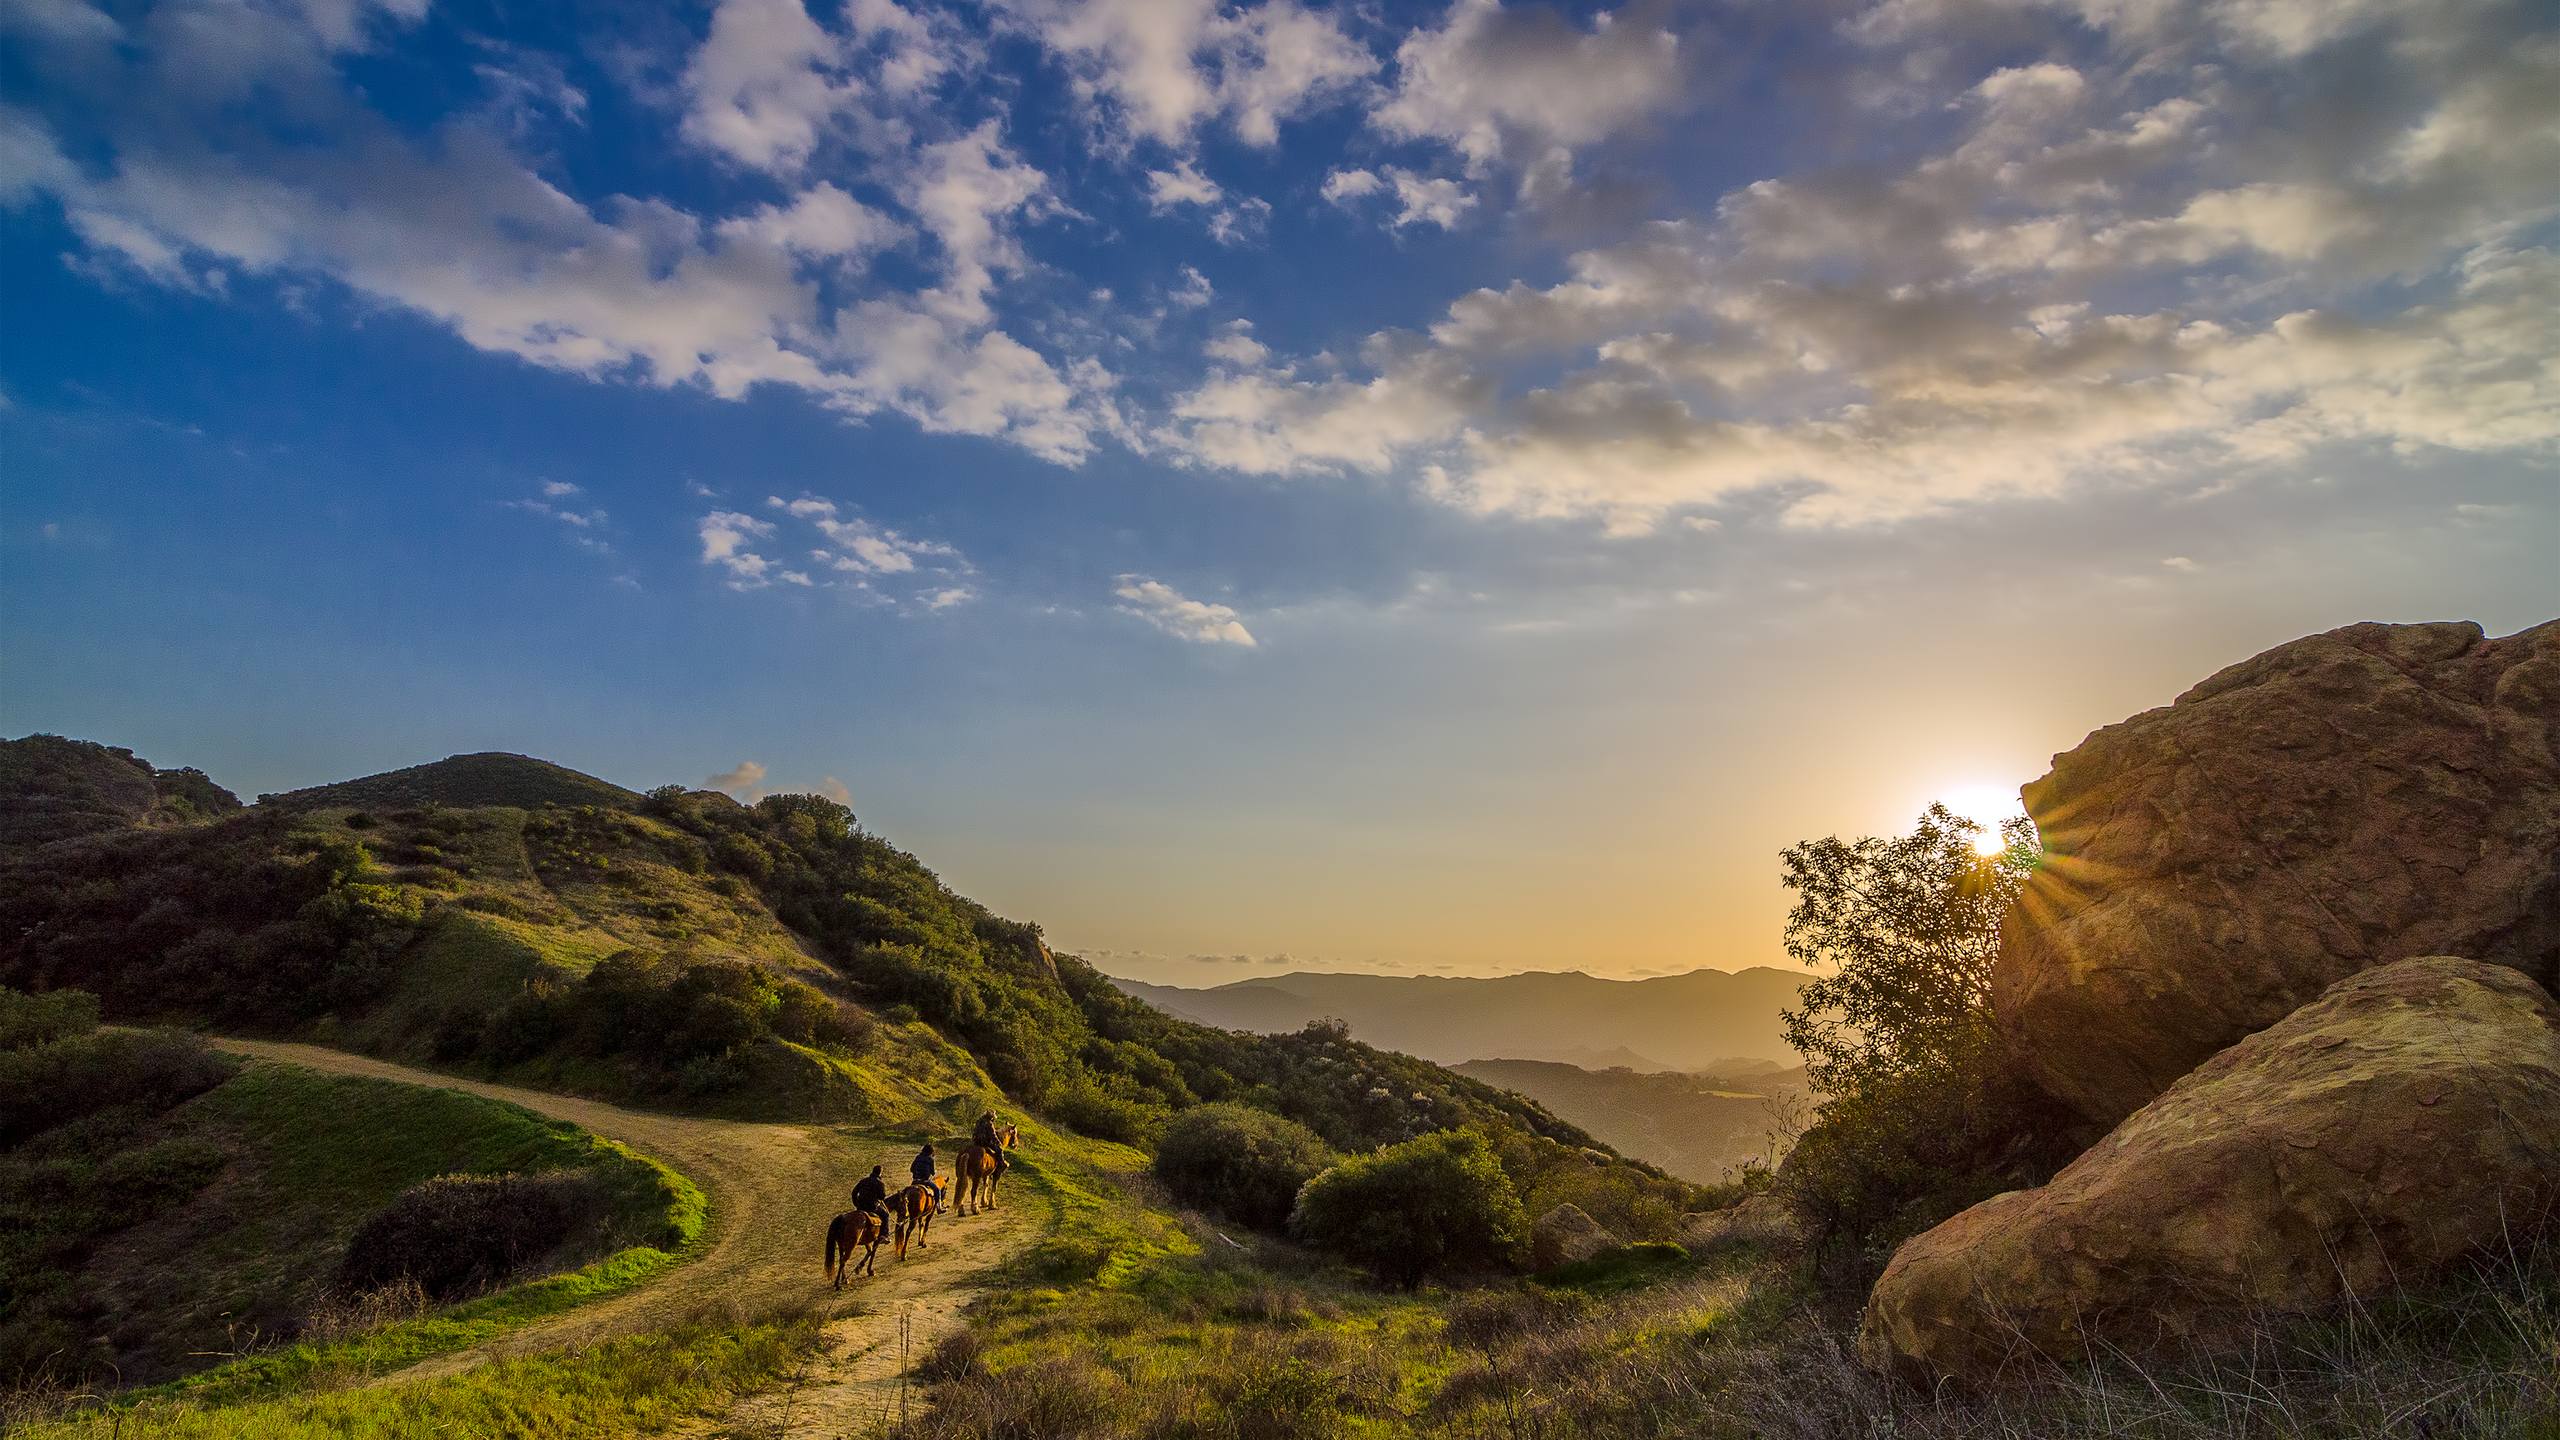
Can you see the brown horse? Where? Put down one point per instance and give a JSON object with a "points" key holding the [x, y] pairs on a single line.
{"points": [[853, 1230], [977, 1170], [914, 1208]]}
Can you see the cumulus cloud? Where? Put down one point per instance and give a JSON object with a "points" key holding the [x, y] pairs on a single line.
{"points": [[746, 780], [1180, 616], [1522, 80], [1879, 342], [726, 538], [1159, 69]]}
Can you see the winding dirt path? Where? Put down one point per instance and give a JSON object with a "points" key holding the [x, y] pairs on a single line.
{"points": [[772, 1188]]}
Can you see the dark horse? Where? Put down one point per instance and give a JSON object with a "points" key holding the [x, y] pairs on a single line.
{"points": [[914, 1208], [853, 1230], [977, 1170]]}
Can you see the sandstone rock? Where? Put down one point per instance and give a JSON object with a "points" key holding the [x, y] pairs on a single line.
{"points": [[1567, 1234], [2377, 1136], [2340, 802], [1762, 1220]]}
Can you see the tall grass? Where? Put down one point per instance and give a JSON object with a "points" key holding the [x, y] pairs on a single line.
{"points": [[636, 1385]]}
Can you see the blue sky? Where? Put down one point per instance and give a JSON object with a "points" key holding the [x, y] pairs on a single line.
{"points": [[1435, 487]]}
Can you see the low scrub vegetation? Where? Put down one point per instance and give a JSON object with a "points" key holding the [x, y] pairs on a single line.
{"points": [[1245, 1164], [457, 1235], [246, 921], [1439, 1204]]}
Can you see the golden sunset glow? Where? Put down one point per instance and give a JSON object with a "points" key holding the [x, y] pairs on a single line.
{"points": [[1987, 806]]}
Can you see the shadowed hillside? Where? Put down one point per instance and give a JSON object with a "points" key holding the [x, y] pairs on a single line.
{"points": [[489, 778], [1700, 1127], [52, 789], [1672, 1022]]}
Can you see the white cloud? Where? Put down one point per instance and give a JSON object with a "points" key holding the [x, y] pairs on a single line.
{"points": [[860, 546], [821, 222], [1181, 185], [1428, 200], [1496, 81], [1194, 291], [1180, 616], [1344, 186], [836, 790], [726, 536], [558, 489], [1158, 69], [1234, 344], [763, 83], [746, 780]]}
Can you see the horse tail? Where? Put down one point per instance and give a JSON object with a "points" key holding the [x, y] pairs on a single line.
{"points": [[835, 1236]]}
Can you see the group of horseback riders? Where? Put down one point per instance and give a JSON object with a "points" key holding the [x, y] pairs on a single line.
{"points": [[912, 1209]]}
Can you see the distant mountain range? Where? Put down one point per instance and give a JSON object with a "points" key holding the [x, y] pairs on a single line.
{"points": [[1704, 1020], [1699, 1127]]}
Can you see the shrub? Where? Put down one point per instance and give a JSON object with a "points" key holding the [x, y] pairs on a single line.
{"points": [[1440, 1203], [457, 1234], [1244, 1163], [1090, 1110], [40, 1019]]}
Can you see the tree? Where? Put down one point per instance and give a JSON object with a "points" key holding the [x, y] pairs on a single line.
{"points": [[1910, 925], [1922, 1113]]}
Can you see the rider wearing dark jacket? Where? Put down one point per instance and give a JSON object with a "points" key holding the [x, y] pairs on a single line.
{"points": [[922, 1168], [985, 1137], [870, 1193]]}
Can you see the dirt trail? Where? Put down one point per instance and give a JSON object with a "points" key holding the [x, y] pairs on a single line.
{"points": [[772, 1189]]}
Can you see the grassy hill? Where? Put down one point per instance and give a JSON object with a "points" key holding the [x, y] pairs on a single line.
{"points": [[489, 778], [681, 949], [167, 1207]]}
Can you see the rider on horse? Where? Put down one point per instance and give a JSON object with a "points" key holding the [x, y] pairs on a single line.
{"points": [[871, 1194], [986, 1139], [921, 1168]]}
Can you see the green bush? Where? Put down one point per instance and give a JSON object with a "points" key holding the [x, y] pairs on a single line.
{"points": [[1244, 1163], [41, 1019], [458, 1234], [1433, 1205]]}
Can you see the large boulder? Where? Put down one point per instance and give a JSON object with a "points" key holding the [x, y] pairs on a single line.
{"points": [[2340, 802], [1567, 1234], [2378, 1136]]}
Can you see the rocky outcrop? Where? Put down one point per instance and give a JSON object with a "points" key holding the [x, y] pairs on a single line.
{"points": [[2379, 1135], [2337, 803], [1764, 1221], [1567, 1234]]}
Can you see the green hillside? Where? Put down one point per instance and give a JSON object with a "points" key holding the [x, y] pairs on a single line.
{"points": [[489, 778], [681, 949], [167, 1206]]}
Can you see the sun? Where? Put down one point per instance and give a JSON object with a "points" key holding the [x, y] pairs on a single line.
{"points": [[1987, 806]]}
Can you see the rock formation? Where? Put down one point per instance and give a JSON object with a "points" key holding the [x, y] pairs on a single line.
{"points": [[2403, 1121], [1567, 1234], [2340, 802]]}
